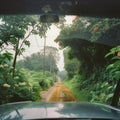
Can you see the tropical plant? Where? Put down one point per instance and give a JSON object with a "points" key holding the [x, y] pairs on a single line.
{"points": [[39, 62], [71, 65], [15, 31], [90, 39], [15, 88], [114, 69]]}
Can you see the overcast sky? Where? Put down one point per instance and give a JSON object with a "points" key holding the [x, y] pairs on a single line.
{"points": [[37, 43]]}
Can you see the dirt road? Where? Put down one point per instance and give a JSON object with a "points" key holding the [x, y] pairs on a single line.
{"points": [[57, 93]]}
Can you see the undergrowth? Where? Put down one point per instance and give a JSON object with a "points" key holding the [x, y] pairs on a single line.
{"points": [[73, 85]]}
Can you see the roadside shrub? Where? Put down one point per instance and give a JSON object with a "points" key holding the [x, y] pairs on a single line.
{"points": [[14, 88]]}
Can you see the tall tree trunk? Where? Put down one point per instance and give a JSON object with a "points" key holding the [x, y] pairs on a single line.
{"points": [[116, 95], [15, 58]]}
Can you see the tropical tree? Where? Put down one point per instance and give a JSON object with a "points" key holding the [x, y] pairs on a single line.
{"points": [[15, 31], [52, 51], [39, 62], [90, 39], [14, 34], [13, 88], [71, 65], [114, 69]]}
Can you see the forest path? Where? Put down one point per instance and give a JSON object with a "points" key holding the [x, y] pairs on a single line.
{"points": [[57, 93]]}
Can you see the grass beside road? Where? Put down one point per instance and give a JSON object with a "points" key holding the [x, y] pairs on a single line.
{"points": [[80, 95], [61, 93]]}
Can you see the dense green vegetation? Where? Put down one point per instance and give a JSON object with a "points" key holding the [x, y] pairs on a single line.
{"points": [[40, 62], [15, 88], [25, 85], [89, 40], [17, 81], [91, 62]]}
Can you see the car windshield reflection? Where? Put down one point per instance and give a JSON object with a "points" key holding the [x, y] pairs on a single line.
{"points": [[53, 68]]}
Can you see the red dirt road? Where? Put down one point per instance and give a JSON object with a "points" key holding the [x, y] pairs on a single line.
{"points": [[57, 93]]}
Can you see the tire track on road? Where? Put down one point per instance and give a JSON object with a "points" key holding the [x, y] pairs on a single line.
{"points": [[57, 93], [61, 93]]}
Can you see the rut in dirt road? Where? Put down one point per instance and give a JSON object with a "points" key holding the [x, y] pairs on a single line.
{"points": [[57, 93], [61, 94]]}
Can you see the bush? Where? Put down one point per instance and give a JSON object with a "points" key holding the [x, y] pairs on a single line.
{"points": [[13, 88], [23, 85], [74, 86]]}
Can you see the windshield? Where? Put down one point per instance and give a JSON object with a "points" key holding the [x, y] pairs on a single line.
{"points": [[76, 59]]}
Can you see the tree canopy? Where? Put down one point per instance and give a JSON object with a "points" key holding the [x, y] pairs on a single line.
{"points": [[15, 31], [90, 39], [40, 62]]}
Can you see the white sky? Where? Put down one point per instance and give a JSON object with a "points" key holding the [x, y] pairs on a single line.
{"points": [[37, 43]]}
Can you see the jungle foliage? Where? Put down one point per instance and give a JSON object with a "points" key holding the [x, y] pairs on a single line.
{"points": [[24, 86], [89, 40], [18, 84], [15, 88], [38, 62]]}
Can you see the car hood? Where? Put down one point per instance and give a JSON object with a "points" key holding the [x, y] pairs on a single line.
{"points": [[40, 110]]}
